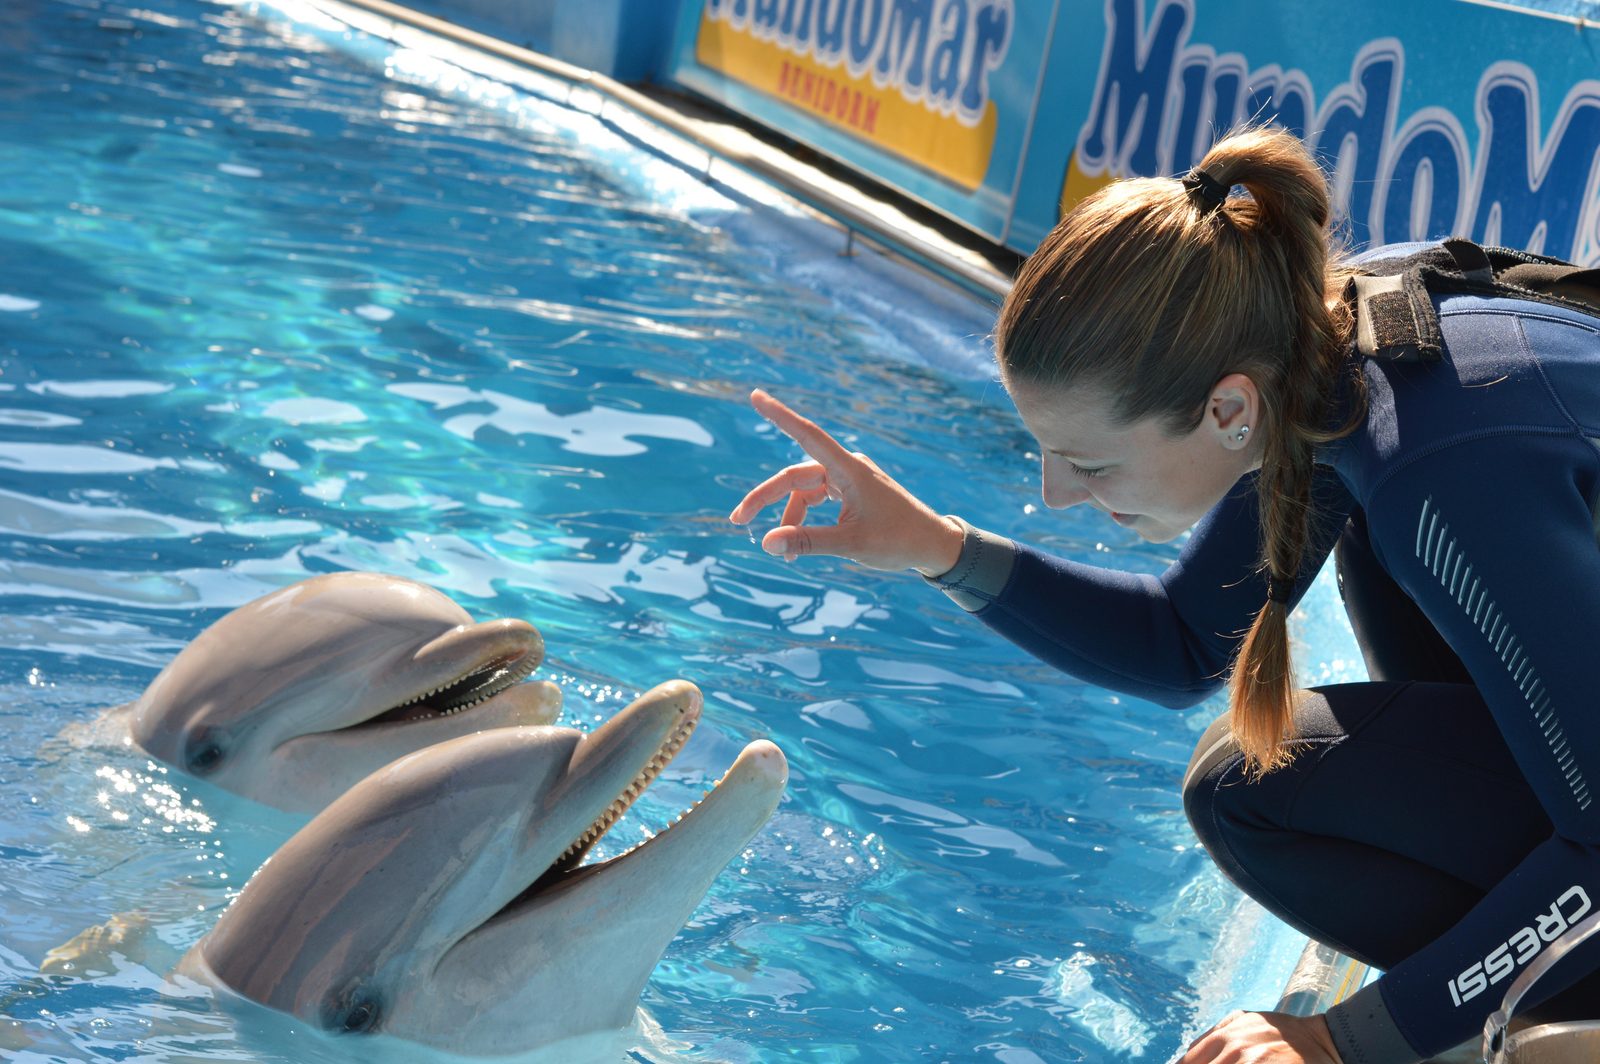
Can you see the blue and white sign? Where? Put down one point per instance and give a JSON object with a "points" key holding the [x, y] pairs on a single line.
{"points": [[1434, 116]]}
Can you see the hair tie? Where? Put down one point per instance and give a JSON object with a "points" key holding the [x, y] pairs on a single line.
{"points": [[1212, 193], [1279, 592]]}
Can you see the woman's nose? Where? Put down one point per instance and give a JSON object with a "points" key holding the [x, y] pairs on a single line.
{"points": [[1060, 488], [1061, 499]]}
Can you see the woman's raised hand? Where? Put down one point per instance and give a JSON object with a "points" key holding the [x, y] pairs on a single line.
{"points": [[881, 525]]}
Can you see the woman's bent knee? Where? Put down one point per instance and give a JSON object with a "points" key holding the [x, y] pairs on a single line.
{"points": [[1216, 756]]}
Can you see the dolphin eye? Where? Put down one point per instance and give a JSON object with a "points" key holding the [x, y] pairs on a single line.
{"points": [[362, 1015], [203, 754], [351, 1011]]}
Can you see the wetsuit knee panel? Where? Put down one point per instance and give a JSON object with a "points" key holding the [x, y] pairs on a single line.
{"points": [[1215, 755]]}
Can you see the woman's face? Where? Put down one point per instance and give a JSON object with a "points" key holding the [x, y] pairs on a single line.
{"points": [[1156, 484]]}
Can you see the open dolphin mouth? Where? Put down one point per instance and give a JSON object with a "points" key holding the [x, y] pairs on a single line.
{"points": [[567, 865], [479, 684], [485, 907], [572, 855]]}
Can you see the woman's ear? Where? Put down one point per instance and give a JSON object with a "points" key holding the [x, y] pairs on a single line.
{"points": [[1233, 410]]}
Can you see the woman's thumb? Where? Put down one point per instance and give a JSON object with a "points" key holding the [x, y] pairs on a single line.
{"points": [[792, 541]]}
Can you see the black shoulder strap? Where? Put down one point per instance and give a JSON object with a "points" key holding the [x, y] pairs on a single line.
{"points": [[1573, 283], [1395, 317]]}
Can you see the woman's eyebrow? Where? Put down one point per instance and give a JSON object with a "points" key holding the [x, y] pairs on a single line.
{"points": [[1081, 459]]}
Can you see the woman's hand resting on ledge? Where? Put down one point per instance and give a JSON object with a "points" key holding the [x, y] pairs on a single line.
{"points": [[1264, 1038]]}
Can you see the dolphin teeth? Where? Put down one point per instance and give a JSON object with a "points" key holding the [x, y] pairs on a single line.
{"points": [[619, 805], [464, 692]]}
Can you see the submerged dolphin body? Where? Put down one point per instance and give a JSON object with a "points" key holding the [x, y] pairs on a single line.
{"points": [[293, 697], [441, 900]]}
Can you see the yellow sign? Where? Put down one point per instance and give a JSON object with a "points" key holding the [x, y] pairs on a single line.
{"points": [[1078, 185], [931, 131]]}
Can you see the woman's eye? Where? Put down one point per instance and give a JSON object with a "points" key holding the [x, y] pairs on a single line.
{"points": [[1079, 471]]}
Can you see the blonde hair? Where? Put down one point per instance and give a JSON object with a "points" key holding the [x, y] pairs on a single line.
{"points": [[1153, 292]]}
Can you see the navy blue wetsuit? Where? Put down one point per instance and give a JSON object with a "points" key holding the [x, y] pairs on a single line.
{"points": [[1442, 822]]}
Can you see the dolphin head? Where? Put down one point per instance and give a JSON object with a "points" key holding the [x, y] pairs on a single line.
{"points": [[293, 697], [443, 899]]}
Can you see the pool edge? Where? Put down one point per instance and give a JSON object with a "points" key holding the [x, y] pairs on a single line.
{"points": [[874, 220], [1322, 977]]}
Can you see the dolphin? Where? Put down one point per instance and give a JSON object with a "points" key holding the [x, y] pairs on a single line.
{"points": [[442, 900], [293, 697]]}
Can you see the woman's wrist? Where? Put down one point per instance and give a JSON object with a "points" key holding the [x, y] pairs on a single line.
{"points": [[1324, 1036], [944, 547]]}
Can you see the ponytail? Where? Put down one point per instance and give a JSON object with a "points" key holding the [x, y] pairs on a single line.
{"points": [[1155, 289], [1288, 208]]}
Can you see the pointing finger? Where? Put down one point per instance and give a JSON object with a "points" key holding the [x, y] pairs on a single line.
{"points": [[811, 437]]}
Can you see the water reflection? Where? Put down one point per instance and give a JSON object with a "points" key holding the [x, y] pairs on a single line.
{"points": [[602, 432]]}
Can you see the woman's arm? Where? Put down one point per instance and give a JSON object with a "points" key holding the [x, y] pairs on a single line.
{"points": [[1168, 639]]}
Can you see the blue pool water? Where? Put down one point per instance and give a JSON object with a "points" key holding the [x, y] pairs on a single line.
{"points": [[265, 314]]}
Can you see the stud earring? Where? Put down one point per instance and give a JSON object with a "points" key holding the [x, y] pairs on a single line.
{"points": [[1244, 430]]}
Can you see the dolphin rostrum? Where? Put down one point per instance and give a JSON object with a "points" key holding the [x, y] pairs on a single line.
{"points": [[442, 899], [293, 697]]}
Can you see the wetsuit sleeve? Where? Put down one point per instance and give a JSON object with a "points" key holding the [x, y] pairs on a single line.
{"points": [[1495, 540], [1166, 638]]}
